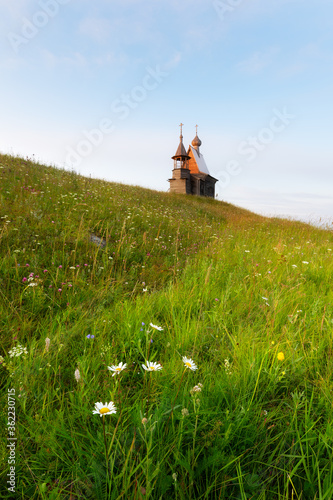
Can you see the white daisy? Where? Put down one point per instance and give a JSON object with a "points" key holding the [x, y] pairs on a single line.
{"points": [[117, 369], [152, 366], [189, 363], [104, 409], [159, 328]]}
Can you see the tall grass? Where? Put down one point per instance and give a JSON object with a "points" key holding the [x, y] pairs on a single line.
{"points": [[230, 289]]}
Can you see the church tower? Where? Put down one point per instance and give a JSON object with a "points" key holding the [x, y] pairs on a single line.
{"points": [[190, 174], [181, 176]]}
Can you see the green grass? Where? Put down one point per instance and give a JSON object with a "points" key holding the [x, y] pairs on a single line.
{"points": [[230, 289]]}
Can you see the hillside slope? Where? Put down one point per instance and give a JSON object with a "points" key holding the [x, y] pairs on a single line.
{"points": [[89, 269]]}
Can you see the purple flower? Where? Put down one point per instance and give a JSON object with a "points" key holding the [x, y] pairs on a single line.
{"points": [[59, 290], [90, 336], [60, 267], [25, 279]]}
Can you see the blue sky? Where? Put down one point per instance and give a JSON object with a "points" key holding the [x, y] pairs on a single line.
{"points": [[101, 87]]}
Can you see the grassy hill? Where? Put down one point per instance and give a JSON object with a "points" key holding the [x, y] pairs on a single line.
{"points": [[93, 274]]}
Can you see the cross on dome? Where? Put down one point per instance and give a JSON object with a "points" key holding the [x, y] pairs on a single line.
{"points": [[196, 143]]}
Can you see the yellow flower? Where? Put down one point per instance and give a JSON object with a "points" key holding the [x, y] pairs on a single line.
{"points": [[280, 356]]}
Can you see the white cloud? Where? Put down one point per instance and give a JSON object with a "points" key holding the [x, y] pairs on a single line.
{"points": [[52, 61], [258, 61], [17, 8], [98, 29]]}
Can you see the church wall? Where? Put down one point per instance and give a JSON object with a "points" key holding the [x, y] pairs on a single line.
{"points": [[192, 164], [180, 186], [210, 188]]}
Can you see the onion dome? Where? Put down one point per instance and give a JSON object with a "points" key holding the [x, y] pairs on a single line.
{"points": [[196, 143]]}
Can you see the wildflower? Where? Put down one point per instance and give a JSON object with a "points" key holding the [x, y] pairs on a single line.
{"points": [[196, 388], [90, 336], [33, 284], [159, 328], [24, 279], [60, 267], [304, 262], [117, 369], [280, 356], [105, 409], [152, 366], [47, 344], [265, 298], [174, 476], [144, 421], [227, 366], [15, 352], [185, 412], [145, 290], [77, 375], [72, 267], [189, 363]]}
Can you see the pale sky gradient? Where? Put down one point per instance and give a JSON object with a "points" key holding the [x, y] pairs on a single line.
{"points": [[112, 80]]}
